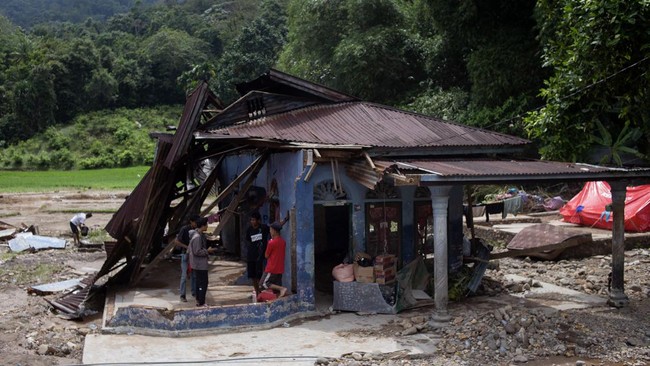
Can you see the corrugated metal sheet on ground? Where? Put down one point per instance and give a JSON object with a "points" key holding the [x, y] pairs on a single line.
{"points": [[24, 241], [7, 233], [55, 286], [542, 237]]}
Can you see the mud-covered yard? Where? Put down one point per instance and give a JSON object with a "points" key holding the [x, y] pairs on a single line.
{"points": [[490, 329], [30, 332]]}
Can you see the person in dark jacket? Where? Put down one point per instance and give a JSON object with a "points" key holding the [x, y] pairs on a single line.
{"points": [[199, 252]]}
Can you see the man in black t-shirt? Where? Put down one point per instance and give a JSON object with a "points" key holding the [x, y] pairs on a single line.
{"points": [[257, 235]]}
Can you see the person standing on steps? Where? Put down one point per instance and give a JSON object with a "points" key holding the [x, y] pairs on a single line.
{"points": [[199, 253], [275, 252], [76, 222], [257, 235], [182, 240]]}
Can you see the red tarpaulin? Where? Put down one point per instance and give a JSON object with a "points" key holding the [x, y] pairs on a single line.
{"points": [[591, 207]]}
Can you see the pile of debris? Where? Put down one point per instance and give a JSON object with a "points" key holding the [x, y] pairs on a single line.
{"points": [[27, 238]]}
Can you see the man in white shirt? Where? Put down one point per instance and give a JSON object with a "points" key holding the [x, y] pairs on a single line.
{"points": [[76, 223]]}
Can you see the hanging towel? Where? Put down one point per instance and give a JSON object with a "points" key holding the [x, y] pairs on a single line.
{"points": [[478, 211], [492, 209], [511, 206]]}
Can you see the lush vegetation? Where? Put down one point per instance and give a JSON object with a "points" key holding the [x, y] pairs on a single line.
{"points": [[42, 181], [571, 75], [103, 139], [26, 13]]}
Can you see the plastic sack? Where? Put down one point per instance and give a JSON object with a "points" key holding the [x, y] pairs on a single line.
{"points": [[343, 272], [266, 295]]}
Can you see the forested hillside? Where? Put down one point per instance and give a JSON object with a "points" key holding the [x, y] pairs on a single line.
{"points": [[26, 13], [571, 75]]}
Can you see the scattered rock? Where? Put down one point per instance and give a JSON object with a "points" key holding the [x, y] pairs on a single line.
{"points": [[520, 359], [410, 331]]}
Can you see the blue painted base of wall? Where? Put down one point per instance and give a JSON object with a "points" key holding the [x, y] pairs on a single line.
{"points": [[148, 320]]}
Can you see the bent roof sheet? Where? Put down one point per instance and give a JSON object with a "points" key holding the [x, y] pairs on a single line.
{"points": [[493, 170], [366, 124]]}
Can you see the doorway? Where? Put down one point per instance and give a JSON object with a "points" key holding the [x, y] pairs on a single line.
{"points": [[331, 242]]}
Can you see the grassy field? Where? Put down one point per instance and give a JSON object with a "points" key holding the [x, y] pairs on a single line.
{"points": [[44, 181]]}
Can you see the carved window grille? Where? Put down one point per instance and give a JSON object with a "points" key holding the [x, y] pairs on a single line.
{"points": [[325, 191]]}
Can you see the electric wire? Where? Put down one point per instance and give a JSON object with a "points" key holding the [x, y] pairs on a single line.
{"points": [[576, 91]]}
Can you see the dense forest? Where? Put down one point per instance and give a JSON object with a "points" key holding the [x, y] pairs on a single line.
{"points": [[570, 75]]}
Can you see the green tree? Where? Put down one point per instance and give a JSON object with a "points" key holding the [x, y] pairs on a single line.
{"points": [[600, 54], [169, 53], [253, 52], [360, 46]]}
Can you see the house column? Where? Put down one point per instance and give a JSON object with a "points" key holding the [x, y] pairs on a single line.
{"points": [[440, 203], [617, 297]]}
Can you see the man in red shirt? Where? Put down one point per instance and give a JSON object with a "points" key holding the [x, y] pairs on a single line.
{"points": [[275, 249]]}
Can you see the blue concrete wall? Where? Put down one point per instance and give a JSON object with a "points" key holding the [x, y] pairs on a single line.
{"points": [[304, 192], [408, 250], [286, 168], [288, 171], [356, 195], [207, 318]]}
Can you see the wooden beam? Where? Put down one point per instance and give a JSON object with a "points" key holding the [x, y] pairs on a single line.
{"points": [[168, 249], [235, 201], [369, 160], [310, 171], [235, 183]]}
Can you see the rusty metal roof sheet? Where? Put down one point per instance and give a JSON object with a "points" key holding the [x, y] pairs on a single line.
{"points": [[544, 237], [495, 170], [366, 124], [275, 81], [255, 105], [187, 125]]}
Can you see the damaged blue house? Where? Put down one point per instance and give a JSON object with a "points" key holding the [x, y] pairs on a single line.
{"points": [[355, 177]]}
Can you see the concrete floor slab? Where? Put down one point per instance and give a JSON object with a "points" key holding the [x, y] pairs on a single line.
{"points": [[298, 344]]}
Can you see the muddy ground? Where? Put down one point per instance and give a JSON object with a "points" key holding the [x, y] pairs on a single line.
{"points": [[32, 334]]}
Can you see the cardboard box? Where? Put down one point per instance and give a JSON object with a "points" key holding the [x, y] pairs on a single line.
{"points": [[385, 261], [383, 273], [385, 281], [364, 274]]}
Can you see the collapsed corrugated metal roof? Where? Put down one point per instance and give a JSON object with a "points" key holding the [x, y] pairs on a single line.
{"points": [[288, 112]]}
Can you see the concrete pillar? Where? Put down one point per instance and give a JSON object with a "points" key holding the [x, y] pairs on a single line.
{"points": [[617, 297], [440, 202]]}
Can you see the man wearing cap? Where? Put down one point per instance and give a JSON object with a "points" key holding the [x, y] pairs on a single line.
{"points": [[182, 240], [275, 251]]}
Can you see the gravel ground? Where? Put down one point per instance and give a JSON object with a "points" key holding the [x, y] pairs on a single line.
{"points": [[495, 328], [492, 329]]}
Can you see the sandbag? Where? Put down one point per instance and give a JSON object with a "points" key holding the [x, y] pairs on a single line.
{"points": [[343, 272], [266, 295]]}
